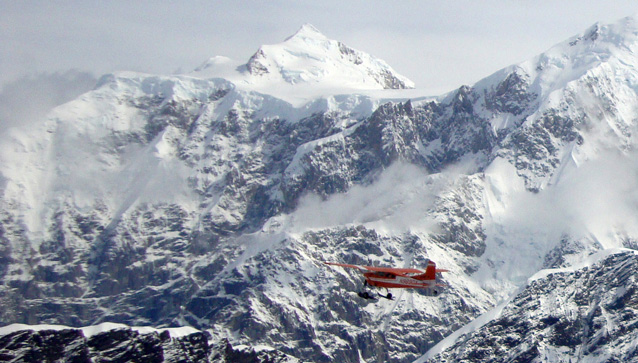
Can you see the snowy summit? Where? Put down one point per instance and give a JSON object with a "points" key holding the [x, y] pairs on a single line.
{"points": [[307, 61]]}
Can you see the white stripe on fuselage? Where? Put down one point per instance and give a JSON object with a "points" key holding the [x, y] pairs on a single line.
{"points": [[404, 281]]}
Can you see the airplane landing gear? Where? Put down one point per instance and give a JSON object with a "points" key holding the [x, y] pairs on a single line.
{"points": [[388, 296], [366, 295]]}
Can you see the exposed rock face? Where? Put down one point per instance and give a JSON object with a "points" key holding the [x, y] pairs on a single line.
{"points": [[125, 345], [163, 262], [171, 201], [121, 345], [587, 314]]}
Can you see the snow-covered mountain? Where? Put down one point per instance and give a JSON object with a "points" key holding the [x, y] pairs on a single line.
{"points": [[305, 65], [563, 315], [211, 200]]}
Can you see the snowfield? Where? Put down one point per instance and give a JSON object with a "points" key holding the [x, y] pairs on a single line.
{"points": [[204, 204]]}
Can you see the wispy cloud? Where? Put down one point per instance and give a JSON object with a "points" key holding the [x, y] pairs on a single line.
{"points": [[28, 99], [397, 201]]}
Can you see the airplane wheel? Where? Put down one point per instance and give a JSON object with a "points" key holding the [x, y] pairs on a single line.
{"points": [[435, 292], [365, 295], [389, 296]]}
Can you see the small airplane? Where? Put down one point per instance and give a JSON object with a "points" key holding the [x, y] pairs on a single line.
{"points": [[391, 277]]}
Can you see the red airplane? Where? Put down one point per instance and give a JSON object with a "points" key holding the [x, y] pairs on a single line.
{"points": [[391, 277]]}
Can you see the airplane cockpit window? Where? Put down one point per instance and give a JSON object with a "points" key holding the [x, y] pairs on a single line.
{"points": [[387, 275]]}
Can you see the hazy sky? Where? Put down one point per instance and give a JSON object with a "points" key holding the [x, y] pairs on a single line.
{"points": [[438, 44]]}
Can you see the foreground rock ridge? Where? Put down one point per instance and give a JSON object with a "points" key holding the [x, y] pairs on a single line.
{"points": [[194, 200], [125, 345]]}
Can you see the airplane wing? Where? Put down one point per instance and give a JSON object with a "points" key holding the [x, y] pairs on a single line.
{"points": [[393, 270]]}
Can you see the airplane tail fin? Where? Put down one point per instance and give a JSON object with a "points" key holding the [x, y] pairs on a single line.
{"points": [[430, 272]]}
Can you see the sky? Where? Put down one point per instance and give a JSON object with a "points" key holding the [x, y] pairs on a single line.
{"points": [[440, 45]]}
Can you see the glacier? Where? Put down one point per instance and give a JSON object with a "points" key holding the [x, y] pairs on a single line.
{"points": [[210, 200]]}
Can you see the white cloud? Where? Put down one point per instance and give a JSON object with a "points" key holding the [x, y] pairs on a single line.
{"points": [[397, 201], [28, 99], [596, 200]]}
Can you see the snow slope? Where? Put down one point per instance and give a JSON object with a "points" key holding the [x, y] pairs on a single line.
{"points": [[583, 313], [89, 331], [585, 205], [305, 66], [212, 199], [497, 312]]}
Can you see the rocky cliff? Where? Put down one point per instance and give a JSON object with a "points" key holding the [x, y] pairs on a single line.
{"points": [[195, 201]]}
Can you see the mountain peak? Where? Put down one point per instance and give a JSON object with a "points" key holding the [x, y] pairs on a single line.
{"points": [[307, 31], [309, 62], [601, 51], [622, 33], [309, 57]]}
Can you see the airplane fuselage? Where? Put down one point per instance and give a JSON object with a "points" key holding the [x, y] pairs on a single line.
{"points": [[388, 280]]}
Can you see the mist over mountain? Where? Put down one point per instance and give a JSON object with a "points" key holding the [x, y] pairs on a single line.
{"points": [[29, 99], [211, 200]]}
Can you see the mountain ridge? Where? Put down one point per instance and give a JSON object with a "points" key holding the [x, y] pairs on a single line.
{"points": [[309, 63], [185, 201]]}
